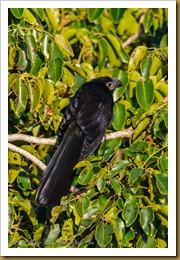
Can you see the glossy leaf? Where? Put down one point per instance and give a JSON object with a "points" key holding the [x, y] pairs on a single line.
{"points": [[36, 65], [94, 13], [118, 167], [22, 61], [145, 94], [147, 20], [63, 45], [136, 56], [119, 118], [127, 238], [48, 91], [85, 176], [52, 235], [45, 45], [55, 69], [145, 66], [162, 183], [116, 14], [103, 52], [54, 17], [146, 217], [103, 234], [116, 186], [136, 172], [17, 12], [119, 229], [130, 213], [31, 47], [28, 16], [23, 181], [22, 93], [146, 242]]}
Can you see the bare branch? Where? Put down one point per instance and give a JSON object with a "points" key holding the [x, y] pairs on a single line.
{"points": [[29, 156], [119, 134], [31, 139], [52, 141]]}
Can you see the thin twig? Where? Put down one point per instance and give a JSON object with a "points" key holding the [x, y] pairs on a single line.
{"points": [[29, 156]]}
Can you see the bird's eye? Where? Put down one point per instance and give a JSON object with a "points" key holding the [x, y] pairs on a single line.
{"points": [[109, 85]]}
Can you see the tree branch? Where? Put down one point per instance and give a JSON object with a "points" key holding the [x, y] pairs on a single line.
{"points": [[29, 156], [52, 141]]}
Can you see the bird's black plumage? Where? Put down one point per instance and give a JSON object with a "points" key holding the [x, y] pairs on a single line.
{"points": [[80, 133]]}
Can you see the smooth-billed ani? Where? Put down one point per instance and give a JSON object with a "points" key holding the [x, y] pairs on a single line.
{"points": [[80, 133]]}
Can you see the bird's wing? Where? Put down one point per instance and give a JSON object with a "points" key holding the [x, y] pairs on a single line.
{"points": [[93, 116]]}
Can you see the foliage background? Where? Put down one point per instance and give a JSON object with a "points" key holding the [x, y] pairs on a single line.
{"points": [[52, 52]]}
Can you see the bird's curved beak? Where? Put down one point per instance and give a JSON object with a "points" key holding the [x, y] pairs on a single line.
{"points": [[116, 83]]}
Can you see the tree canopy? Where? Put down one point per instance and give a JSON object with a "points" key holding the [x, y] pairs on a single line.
{"points": [[122, 198]]}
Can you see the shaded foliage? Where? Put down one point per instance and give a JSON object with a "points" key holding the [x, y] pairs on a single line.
{"points": [[52, 52]]}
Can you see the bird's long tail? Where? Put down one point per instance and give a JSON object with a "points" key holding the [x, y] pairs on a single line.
{"points": [[58, 176]]}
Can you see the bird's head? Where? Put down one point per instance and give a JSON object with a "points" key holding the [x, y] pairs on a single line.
{"points": [[112, 83], [109, 83]]}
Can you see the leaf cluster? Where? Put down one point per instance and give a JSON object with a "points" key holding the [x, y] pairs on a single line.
{"points": [[123, 200]]}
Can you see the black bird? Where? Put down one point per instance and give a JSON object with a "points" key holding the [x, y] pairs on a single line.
{"points": [[80, 133]]}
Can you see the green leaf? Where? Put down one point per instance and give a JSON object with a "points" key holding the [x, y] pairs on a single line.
{"points": [[116, 46], [22, 92], [48, 91], [45, 45], [22, 61], [35, 91], [145, 94], [136, 56], [89, 217], [17, 12], [101, 183], [14, 162], [31, 46], [35, 66], [103, 234], [147, 22], [82, 205], [55, 213], [146, 242], [146, 217], [163, 164], [53, 15], [162, 183], [103, 52], [127, 237], [116, 186], [23, 181], [94, 13], [136, 172], [116, 14], [122, 76], [145, 66], [119, 229], [130, 213], [55, 69], [63, 45], [85, 176], [52, 235], [67, 230], [118, 167], [119, 117], [39, 12], [141, 127], [28, 16]]}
